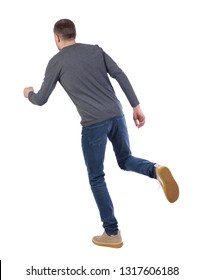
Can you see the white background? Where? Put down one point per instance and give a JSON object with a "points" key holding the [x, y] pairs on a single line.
{"points": [[47, 213]]}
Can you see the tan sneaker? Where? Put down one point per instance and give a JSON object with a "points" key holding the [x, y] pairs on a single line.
{"points": [[113, 241], [167, 182]]}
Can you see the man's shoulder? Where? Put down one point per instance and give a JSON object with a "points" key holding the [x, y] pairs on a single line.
{"points": [[88, 46]]}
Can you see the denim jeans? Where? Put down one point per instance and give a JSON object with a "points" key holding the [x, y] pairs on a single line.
{"points": [[94, 139]]}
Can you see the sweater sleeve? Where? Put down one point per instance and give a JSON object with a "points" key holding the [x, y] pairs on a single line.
{"points": [[50, 80], [115, 72]]}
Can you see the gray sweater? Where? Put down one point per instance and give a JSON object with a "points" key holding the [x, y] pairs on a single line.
{"points": [[83, 70]]}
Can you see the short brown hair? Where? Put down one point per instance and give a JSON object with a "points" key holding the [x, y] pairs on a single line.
{"points": [[65, 28]]}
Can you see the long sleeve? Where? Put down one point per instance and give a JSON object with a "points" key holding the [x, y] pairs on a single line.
{"points": [[115, 72], [50, 80]]}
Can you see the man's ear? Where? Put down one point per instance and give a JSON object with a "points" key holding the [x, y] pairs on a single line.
{"points": [[57, 38]]}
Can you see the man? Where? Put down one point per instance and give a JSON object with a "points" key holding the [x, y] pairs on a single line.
{"points": [[83, 71]]}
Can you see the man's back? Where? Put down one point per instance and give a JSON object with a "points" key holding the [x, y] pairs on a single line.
{"points": [[83, 74]]}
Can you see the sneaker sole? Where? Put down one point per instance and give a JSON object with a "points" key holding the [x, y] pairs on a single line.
{"points": [[111, 245], [169, 184]]}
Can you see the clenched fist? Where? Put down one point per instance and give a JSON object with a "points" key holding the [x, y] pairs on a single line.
{"points": [[27, 90]]}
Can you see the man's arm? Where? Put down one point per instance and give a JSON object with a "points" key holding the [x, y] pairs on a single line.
{"points": [[51, 78], [117, 73]]}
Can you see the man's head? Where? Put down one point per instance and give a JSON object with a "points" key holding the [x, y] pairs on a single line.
{"points": [[65, 33]]}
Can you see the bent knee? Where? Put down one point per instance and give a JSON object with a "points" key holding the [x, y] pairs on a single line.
{"points": [[122, 165]]}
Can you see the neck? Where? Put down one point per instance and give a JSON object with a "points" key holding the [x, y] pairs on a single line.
{"points": [[68, 43]]}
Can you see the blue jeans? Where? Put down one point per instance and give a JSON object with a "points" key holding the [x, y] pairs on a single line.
{"points": [[94, 139]]}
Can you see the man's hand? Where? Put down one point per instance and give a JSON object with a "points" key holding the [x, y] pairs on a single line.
{"points": [[138, 116], [27, 90]]}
